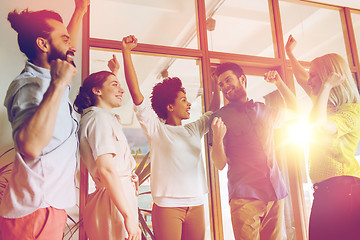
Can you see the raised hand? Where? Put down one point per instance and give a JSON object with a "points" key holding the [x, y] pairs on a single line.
{"points": [[290, 45], [219, 129], [62, 72], [272, 76], [129, 42], [334, 79], [114, 65], [82, 5]]}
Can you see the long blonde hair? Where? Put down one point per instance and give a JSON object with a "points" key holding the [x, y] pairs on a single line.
{"points": [[346, 92]]}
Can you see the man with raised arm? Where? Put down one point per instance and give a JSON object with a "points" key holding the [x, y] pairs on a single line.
{"points": [[243, 139], [42, 183]]}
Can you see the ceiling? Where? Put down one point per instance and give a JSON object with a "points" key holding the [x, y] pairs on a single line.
{"points": [[344, 3]]}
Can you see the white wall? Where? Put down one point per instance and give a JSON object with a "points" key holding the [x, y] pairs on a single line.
{"points": [[12, 60]]}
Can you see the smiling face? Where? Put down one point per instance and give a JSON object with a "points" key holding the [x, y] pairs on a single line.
{"points": [[110, 94], [180, 109], [233, 88], [60, 44]]}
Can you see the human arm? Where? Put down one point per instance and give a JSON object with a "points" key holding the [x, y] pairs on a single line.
{"points": [[81, 7], [135, 180], [215, 100], [285, 92], [301, 74], [111, 180], [217, 151], [114, 65], [36, 132], [318, 115], [127, 44]]}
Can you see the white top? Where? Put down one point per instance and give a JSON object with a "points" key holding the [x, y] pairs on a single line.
{"points": [[49, 179], [177, 169], [101, 133]]}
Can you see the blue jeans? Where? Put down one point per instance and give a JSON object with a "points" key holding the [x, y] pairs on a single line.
{"points": [[335, 213]]}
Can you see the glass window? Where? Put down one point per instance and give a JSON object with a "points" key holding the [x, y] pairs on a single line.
{"points": [[225, 207], [241, 26], [234, 26], [356, 25], [149, 70], [257, 88], [306, 23], [304, 108], [161, 22]]}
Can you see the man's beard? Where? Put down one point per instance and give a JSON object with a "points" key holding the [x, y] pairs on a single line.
{"points": [[238, 93], [56, 54]]}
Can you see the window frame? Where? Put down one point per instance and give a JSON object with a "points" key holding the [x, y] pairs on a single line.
{"points": [[252, 64]]}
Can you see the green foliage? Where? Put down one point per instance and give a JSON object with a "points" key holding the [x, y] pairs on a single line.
{"points": [[73, 229], [143, 172], [5, 170]]}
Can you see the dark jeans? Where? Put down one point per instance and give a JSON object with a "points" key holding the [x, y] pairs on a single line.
{"points": [[335, 213]]}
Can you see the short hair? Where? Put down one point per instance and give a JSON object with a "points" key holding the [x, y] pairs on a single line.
{"points": [[165, 93], [86, 98], [346, 92], [31, 25], [235, 68]]}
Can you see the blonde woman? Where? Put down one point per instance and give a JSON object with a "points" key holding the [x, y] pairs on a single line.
{"points": [[334, 171], [111, 212]]}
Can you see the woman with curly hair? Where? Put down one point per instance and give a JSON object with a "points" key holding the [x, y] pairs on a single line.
{"points": [[178, 182], [111, 211]]}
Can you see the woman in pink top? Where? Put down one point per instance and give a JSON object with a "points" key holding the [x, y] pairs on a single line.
{"points": [[111, 211]]}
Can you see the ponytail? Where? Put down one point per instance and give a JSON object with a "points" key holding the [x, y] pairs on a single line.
{"points": [[86, 98], [83, 100]]}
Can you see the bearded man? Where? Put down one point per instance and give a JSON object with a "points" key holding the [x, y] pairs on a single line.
{"points": [[42, 183]]}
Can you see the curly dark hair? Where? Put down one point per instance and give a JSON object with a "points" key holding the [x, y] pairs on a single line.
{"points": [[31, 25], [86, 98], [165, 93]]}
